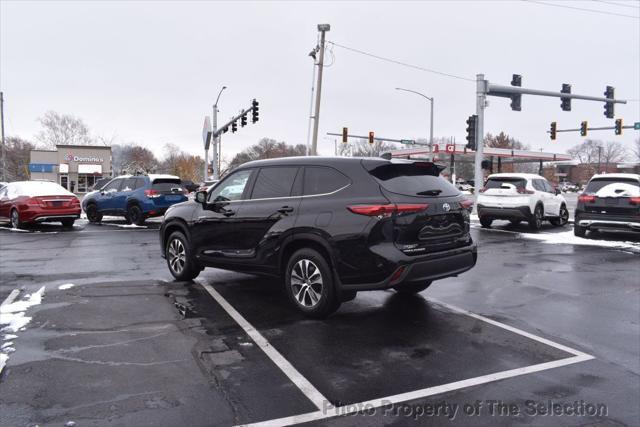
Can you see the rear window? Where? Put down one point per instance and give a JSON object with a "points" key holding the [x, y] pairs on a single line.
{"points": [[497, 183], [413, 180], [323, 180], [166, 184], [596, 184]]}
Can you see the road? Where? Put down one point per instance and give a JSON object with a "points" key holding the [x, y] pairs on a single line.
{"points": [[115, 341]]}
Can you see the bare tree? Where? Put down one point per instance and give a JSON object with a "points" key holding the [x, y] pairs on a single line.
{"points": [[502, 140], [613, 152], [132, 158], [184, 165], [267, 148], [362, 148], [591, 151], [17, 151], [60, 129], [636, 149]]}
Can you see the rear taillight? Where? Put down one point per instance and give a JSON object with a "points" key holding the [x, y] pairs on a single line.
{"points": [[635, 200], [152, 194], [525, 191], [466, 204], [586, 198], [387, 210], [75, 201], [34, 202], [395, 277]]}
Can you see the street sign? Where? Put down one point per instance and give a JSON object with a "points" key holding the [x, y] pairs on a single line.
{"points": [[407, 141], [206, 132], [636, 126], [450, 148]]}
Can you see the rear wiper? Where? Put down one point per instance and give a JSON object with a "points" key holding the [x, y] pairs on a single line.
{"points": [[430, 193]]}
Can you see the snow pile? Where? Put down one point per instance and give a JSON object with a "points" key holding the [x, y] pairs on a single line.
{"points": [[66, 286], [568, 238], [619, 189], [13, 319], [37, 189]]}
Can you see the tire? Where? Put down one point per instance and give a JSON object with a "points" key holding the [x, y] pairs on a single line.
{"points": [[15, 219], [180, 260], [535, 222], [309, 284], [485, 222], [579, 231], [563, 219], [68, 223], [515, 221], [135, 215], [92, 213], [412, 288]]}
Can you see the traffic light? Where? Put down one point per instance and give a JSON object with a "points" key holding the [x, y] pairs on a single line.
{"points": [[243, 120], [618, 130], [370, 137], [608, 106], [583, 128], [254, 111], [516, 99], [471, 132], [553, 131], [345, 134], [565, 102], [234, 127], [225, 129]]}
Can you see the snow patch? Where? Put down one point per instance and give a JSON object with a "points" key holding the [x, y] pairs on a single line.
{"points": [[619, 189], [568, 238], [66, 286], [3, 361]]}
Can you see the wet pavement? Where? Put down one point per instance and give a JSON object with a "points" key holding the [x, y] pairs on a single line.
{"points": [[537, 322]]}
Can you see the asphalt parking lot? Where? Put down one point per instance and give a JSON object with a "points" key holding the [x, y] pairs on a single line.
{"points": [[544, 319]]}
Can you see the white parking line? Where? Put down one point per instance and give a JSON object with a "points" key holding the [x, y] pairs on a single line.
{"points": [[326, 410], [12, 296]]}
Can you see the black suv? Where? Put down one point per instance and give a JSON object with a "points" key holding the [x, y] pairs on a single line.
{"points": [[330, 226]]}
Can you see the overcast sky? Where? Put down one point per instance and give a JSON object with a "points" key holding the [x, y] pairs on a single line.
{"points": [[149, 71]]}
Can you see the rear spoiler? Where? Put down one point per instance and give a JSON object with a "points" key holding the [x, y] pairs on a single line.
{"points": [[381, 166]]}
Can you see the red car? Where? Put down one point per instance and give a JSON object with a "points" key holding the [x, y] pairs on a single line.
{"points": [[38, 201]]}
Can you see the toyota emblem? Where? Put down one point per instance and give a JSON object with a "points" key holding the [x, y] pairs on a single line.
{"points": [[446, 207]]}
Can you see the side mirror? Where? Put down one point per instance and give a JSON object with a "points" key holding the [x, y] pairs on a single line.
{"points": [[557, 191], [201, 197]]}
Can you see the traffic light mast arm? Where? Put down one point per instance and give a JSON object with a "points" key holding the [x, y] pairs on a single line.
{"points": [[507, 91], [592, 128], [377, 138], [233, 119]]}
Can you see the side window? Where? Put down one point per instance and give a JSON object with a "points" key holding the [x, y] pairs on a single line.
{"points": [[3, 193], [139, 183], [129, 184], [547, 187], [231, 188], [538, 185], [274, 182], [113, 185], [323, 180]]}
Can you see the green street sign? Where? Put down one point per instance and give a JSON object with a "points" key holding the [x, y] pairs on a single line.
{"points": [[636, 126], [410, 141]]}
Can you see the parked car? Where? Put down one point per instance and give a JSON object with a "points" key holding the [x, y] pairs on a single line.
{"points": [[330, 226], [100, 183], [609, 202], [136, 197], [521, 197], [26, 202], [190, 186]]}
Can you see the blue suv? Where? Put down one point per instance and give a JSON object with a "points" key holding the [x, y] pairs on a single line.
{"points": [[134, 197]]}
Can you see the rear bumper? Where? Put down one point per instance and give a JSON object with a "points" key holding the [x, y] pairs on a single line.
{"points": [[594, 221], [44, 216], [494, 212], [438, 265]]}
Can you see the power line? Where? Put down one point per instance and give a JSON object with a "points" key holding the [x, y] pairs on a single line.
{"points": [[602, 12], [637, 7], [394, 61]]}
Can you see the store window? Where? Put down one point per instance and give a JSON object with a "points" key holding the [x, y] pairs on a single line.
{"points": [[86, 182]]}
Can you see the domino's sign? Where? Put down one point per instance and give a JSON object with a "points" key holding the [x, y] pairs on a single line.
{"points": [[70, 157]]}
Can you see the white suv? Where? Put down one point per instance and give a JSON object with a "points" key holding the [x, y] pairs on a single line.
{"points": [[521, 197]]}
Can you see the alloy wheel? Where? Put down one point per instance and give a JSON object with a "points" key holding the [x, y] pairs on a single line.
{"points": [[15, 219], [306, 283], [564, 215], [177, 256]]}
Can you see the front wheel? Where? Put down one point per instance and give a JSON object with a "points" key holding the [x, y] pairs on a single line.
{"points": [[92, 213], [180, 259], [412, 288], [563, 219], [535, 222], [15, 219], [485, 222], [309, 284]]}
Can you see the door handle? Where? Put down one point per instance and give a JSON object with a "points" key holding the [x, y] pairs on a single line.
{"points": [[228, 213], [285, 209]]}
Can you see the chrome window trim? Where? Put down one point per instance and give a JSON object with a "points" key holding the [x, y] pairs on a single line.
{"points": [[290, 197]]}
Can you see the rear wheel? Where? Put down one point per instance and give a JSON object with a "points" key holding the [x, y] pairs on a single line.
{"points": [[563, 219], [68, 223], [15, 219], [135, 215], [535, 222], [179, 258], [485, 222], [309, 284], [412, 288], [579, 231], [92, 213]]}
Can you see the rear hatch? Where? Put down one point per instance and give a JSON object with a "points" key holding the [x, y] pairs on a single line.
{"points": [[612, 196], [166, 191], [501, 190], [431, 215]]}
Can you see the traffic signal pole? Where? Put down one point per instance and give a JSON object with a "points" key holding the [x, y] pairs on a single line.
{"points": [[481, 103]]}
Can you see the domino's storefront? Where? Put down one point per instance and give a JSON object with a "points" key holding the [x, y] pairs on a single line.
{"points": [[75, 167]]}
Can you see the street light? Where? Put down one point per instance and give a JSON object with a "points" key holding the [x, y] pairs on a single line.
{"points": [[431, 119], [214, 162]]}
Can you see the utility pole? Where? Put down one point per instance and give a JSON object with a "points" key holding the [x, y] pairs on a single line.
{"points": [[4, 151], [481, 102], [215, 140], [323, 28], [599, 157]]}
